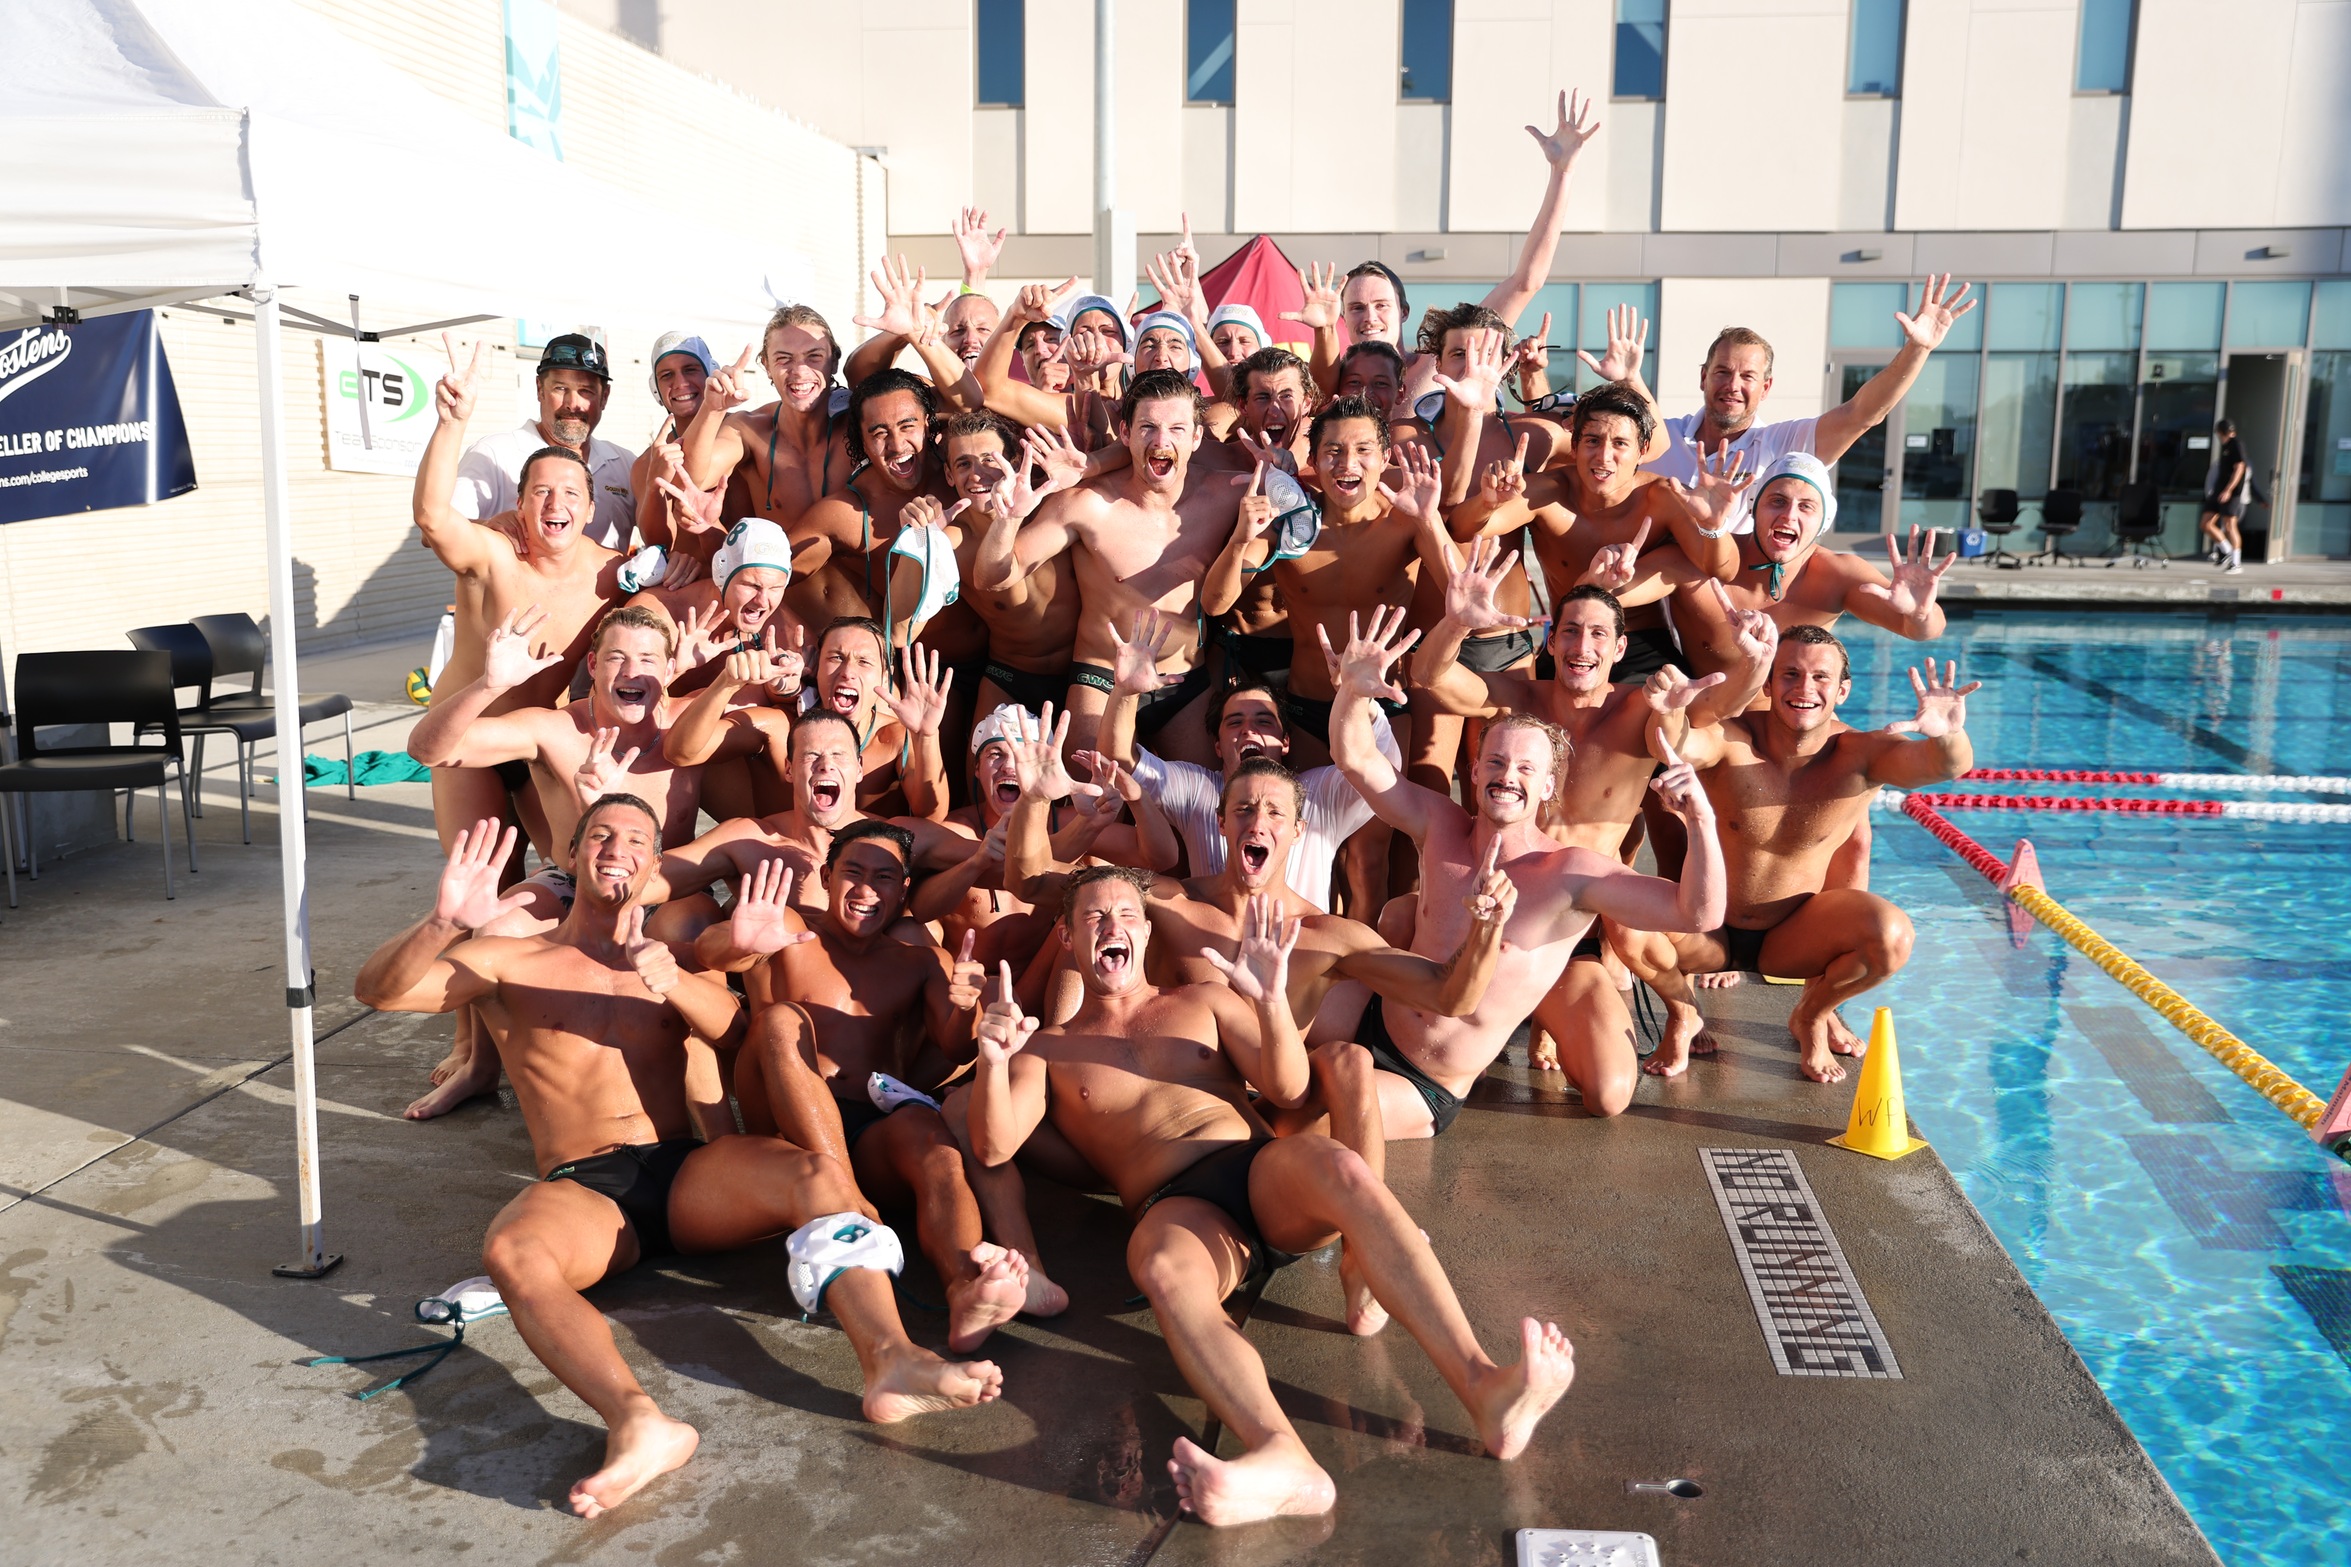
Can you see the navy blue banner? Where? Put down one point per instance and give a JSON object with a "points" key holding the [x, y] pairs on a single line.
{"points": [[89, 419]]}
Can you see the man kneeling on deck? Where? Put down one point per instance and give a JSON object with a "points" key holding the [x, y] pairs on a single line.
{"points": [[1151, 1085], [1791, 782], [592, 1021]]}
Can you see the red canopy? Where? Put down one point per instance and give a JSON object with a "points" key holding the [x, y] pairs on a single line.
{"points": [[1260, 276]]}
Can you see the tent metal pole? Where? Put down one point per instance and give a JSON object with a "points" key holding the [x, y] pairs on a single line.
{"points": [[293, 854]]}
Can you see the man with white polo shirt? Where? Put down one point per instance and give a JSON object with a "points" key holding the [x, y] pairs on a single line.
{"points": [[575, 382]]}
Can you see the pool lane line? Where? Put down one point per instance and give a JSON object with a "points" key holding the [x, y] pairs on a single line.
{"points": [[2220, 783], [2243, 810], [2259, 1073]]}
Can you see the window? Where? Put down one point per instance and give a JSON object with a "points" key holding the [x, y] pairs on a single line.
{"points": [[1861, 315], [2024, 315], [1640, 49], [2184, 315], [1427, 52], [1208, 51], [1000, 40], [2103, 315], [2268, 315], [2102, 58], [1873, 58]]}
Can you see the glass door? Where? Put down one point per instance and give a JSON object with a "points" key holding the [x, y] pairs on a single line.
{"points": [[1871, 469]]}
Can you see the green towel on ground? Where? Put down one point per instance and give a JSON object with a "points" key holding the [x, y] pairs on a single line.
{"points": [[372, 767]]}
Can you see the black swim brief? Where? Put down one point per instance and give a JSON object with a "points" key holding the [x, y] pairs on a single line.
{"points": [[1265, 654], [1309, 716], [637, 1178], [1155, 708], [1372, 1035], [858, 1117], [1491, 655], [516, 776], [1742, 949], [1591, 947], [1222, 1181], [1647, 649], [1031, 691]]}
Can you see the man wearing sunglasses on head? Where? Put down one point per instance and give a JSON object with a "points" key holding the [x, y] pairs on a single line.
{"points": [[575, 382]]}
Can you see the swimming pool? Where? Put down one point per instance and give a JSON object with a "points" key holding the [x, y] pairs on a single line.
{"points": [[2191, 1241]]}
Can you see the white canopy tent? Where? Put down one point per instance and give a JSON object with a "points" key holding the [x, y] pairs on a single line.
{"points": [[154, 152]]}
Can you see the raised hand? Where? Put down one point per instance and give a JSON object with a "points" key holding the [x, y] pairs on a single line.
{"points": [[1003, 1028], [968, 977], [1035, 301], [603, 773], [919, 700], [761, 920], [1364, 663], [1053, 449], [692, 511], [1088, 350], [1481, 378], [1628, 340], [1319, 281], [1493, 894], [1036, 756], [1670, 691], [700, 635], [1469, 592], [1942, 704], [1171, 273], [1678, 787], [1939, 306], [1113, 786], [1913, 576], [730, 386], [978, 248], [1134, 663], [1755, 632], [1615, 565], [1532, 356], [1504, 477], [1264, 452], [1260, 970], [1576, 127], [1422, 489], [1256, 508], [453, 394], [468, 894], [751, 666], [789, 662], [1722, 478], [656, 965], [901, 293], [508, 660]]}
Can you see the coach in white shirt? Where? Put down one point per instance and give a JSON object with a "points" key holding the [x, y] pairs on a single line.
{"points": [[1737, 377], [575, 381]]}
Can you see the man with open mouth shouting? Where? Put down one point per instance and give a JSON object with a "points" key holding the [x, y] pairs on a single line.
{"points": [[1428, 1063], [1199, 925], [1150, 1083], [594, 1017]]}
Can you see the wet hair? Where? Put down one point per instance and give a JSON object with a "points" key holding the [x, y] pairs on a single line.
{"points": [[1094, 875], [1339, 408], [1740, 337], [881, 384], [864, 623], [1562, 748], [890, 833], [640, 618], [981, 421], [1820, 636], [1373, 348], [1268, 360], [1264, 767], [1380, 269], [1616, 399], [1247, 685], [609, 802], [1586, 592], [813, 717], [1437, 323], [523, 476], [807, 320], [1154, 386]]}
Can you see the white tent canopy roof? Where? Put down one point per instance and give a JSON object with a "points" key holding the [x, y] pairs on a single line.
{"points": [[158, 147]]}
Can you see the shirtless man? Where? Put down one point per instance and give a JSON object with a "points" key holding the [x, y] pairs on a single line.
{"points": [[1617, 732], [875, 1008], [1061, 391], [885, 553], [1150, 1085], [681, 368], [1272, 395], [1032, 621], [790, 453], [1789, 781], [1141, 538], [593, 1018], [1428, 1064], [969, 317]]}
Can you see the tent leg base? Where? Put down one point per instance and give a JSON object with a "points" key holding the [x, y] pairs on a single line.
{"points": [[319, 1269]]}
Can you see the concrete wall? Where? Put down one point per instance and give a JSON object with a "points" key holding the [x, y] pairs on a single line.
{"points": [[1754, 114], [1987, 93], [1791, 313]]}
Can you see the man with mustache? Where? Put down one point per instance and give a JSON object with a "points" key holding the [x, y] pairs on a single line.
{"points": [[795, 450], [593, 1019], [574, 380]]}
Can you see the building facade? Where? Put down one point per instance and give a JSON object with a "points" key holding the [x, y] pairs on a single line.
{"points": [[2152, 196]]}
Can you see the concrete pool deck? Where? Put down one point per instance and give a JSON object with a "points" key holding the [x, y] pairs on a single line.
{"points": [[153, 1406]]}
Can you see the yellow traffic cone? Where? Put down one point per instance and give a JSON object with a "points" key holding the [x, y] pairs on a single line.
{"points": [[1878, 1127]]}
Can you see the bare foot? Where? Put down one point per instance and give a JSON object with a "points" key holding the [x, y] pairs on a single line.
{"points": [[1542, 1052], [1842, 1039], [452, 1063], [1685, 1036], [1281, 1479], [637, 1451], [1813, 1042], [456, 1091], [1727, 979], [1513, 1398], [1365, 1316], [983, 1303], [1045, 1298], [913, 1381]]}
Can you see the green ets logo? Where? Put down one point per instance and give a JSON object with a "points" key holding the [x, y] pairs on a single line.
{"points": [[395, 390]]}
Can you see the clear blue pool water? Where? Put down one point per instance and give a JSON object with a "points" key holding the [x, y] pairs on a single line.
{"points": [[2192, 1242]]}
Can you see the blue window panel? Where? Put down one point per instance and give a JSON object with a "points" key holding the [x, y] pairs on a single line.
{"points": [[1640, 49], [1861, 315], [2330, 319], [2184, 315], [1208, 51], [2024, 317], [2103, 316], [2102, 57], [2268, 315], [1873, 61], [1001, 41], [1427, 52], [1559, 300]]}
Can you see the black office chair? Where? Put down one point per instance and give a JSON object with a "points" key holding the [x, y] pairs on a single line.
{"points": [[2138, 523], [2061, 514], [99, 688], [1996, 510], [239, 648]]}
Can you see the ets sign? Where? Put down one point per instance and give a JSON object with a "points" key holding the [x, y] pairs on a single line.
{"points": [[379, 406]]}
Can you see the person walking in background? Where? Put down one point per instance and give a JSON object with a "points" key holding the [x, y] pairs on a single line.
{"points": [[2224, 500]]}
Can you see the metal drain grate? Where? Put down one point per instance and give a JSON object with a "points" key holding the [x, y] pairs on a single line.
{"points": [[1815, 1319]]}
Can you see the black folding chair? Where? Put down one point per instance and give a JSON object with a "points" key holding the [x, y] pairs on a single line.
{"points": [[105, 687], [239, 648]]}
